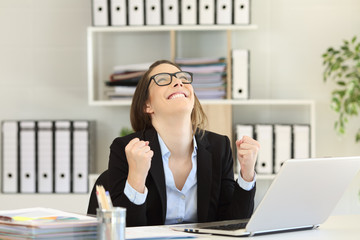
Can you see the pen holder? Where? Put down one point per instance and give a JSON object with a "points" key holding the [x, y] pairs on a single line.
{"points": [[111, 223]]}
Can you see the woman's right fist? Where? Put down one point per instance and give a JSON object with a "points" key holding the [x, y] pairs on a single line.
{"points": [[139, 155]]}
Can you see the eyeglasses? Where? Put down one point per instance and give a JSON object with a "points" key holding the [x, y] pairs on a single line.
{"points": [[163, 79]]}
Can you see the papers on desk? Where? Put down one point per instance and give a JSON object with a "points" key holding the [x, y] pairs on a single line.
{"points": [[156, 232], [45, 223]]}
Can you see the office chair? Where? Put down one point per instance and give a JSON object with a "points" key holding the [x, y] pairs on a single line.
{"points": [[103, 180]]}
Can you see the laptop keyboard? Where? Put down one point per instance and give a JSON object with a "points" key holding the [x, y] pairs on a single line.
{"points": [[229, 227]]}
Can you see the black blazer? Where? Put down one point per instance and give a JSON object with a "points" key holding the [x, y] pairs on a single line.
{"points": [[219, 196]]}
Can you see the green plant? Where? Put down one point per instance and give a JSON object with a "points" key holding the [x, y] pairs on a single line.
{"points": [[125, 131], [342, 65]]}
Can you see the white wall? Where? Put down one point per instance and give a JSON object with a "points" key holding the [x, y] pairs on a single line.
{"points": [[43, 71], [286, 58], [43, 62]]}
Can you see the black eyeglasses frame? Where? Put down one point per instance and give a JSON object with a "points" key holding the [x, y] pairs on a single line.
{"points": [[171, 79]]}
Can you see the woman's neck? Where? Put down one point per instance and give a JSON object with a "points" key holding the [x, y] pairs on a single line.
{"points": [[176, 133]]}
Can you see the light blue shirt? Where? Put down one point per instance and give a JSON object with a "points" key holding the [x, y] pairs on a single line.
{"points": [[181, 205]]}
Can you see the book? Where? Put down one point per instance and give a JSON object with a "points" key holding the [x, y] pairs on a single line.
{"points": [[45, 223], [126, 75], [131, 67], [208, 76], [205, 68], [197, 61], [125, 82]]}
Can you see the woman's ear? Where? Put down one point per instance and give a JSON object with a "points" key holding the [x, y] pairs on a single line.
{"points": [[148, 108]]}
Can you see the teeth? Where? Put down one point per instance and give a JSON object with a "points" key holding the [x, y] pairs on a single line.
{"points": [[178, 95]]}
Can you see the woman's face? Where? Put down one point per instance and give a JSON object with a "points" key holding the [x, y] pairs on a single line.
{"points": [[175, 98]]}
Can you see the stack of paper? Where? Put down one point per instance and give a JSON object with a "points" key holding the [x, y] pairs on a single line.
{"points": [[123, 80], [46, 223], [209, 76]]}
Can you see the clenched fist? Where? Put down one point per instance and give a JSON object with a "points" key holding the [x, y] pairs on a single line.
{"points": [[247, 151], [139, 155]]}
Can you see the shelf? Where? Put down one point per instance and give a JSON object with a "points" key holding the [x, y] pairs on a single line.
{"points": [[94, 39], [264, 102], [163, 28]]}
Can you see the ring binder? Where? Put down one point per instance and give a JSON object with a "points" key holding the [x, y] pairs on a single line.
{"points": [[153, 12], [80, 145], [242, 12], [206, 12], [118, 12], [171, 12], [188, 12], [223, 11], [62, 157], [27, 153], [264, 135], [10, 157], [136, 12], [100, 12], [45, 156]]}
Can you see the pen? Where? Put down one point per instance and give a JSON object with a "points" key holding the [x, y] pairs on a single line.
{"points": [[104, 201], [98, 198], [108, 198]]}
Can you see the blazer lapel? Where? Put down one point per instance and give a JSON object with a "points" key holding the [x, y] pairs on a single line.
{"points": [[157, 169], [204, 176]]}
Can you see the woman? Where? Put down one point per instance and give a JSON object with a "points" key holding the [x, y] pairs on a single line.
{"points": [[171, 170]]}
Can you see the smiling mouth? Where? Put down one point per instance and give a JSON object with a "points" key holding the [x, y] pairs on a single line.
{"points": [[177, 95]]}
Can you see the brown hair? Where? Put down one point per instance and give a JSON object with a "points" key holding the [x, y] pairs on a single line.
{"points": [[140, 120]]}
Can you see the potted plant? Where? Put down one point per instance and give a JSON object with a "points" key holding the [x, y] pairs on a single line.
{"points": [[342, 65], [125, 131]]}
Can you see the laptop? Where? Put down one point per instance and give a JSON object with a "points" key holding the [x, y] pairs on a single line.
{"points": [[302, 196]]}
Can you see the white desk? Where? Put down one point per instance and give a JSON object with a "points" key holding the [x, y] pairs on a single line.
{"points": [[341, 227]]}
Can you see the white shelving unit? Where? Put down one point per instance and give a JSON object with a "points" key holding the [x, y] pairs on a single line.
{"points": [[262, 110], [278, 108], [93, 43]]}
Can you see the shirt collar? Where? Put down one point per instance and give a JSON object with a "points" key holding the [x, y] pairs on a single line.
{"points": [[165, 153]]}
